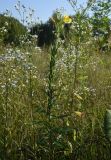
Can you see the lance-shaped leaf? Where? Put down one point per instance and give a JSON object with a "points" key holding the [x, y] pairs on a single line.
{"points": [[107, 124]]}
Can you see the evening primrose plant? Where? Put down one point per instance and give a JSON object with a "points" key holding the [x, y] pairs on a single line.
{"points": [[53, 99], [59, 24]]}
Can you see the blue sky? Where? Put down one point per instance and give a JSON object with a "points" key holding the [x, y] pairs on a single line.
{"points": [[43, 8]]}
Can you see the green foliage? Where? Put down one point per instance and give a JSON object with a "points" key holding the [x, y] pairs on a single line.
{"points": [[101, 23], [44, 32], [107, 124], [53, 100], [11, 30]]}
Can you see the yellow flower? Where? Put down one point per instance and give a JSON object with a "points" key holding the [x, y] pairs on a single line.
{"points": [[67, 19]]}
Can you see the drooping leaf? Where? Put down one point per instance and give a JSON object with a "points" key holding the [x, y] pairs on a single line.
{"points": [[78, 96]]}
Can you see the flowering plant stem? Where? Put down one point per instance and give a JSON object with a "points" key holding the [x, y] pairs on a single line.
{"points": [[53, 53], [51, 94]]}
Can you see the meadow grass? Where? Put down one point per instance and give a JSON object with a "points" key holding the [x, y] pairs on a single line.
{"points": [[26, 132], [53, 100]]}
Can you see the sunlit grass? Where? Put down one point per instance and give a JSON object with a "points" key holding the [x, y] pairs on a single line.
{"points": [[53, 99]]}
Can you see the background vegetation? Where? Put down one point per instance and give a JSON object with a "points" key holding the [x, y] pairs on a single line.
{"points": [[11, 30], [56, 86]]}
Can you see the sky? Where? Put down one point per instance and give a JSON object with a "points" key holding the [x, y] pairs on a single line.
{"points": [[43, 8]]}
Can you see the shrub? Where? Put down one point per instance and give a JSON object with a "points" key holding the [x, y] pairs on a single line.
{"points": [[11, 30]]}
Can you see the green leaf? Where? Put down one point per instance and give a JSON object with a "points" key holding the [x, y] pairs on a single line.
{"points": [[107, 124], [74, 135], [69, 149]]}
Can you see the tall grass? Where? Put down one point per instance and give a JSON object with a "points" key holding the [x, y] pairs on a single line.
{"points": [[53, 101]]}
